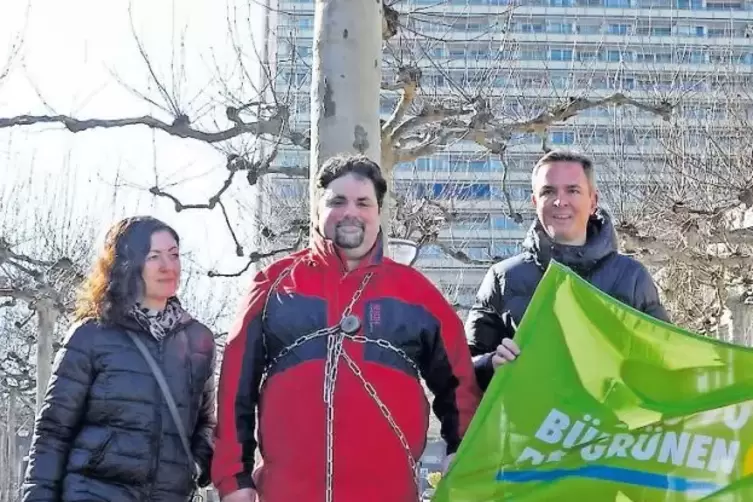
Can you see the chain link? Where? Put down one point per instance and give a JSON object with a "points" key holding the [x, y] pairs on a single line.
{"points": [[301, 341], [371, 390], [335, 352], [357, 295], [385, 344]]}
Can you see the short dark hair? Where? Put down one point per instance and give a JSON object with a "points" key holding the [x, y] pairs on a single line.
{"points": [[115, 284], [566, 156], [359, 165]]}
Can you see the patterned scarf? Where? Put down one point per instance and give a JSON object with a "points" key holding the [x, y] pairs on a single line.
{"points": [[159, 323]]}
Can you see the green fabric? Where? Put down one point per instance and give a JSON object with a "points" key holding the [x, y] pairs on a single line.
{"points": [[607, 404]]}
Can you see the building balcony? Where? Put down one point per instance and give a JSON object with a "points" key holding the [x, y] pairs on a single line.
{"points": [[545, 65], [442, 272], [458, 235], [459, 176], [631, 41], [596, 12]]}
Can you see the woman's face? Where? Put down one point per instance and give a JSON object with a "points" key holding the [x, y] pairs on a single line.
{"points": [[161, 272]]}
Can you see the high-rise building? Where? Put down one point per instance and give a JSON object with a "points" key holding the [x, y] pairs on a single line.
{"points": [[525, 58]]}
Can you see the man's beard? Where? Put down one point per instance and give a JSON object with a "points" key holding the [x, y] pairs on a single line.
{"points": [[350, 239]]}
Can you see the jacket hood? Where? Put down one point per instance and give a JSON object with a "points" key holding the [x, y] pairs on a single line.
{"points": [[601, 242]]}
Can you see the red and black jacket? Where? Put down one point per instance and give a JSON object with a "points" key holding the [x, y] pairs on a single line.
{"points": [[398, 305]]}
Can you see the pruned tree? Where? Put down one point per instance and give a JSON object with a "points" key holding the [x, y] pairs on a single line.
{"points": [[453, 86], [43, 249], [44, 246], [695, 222]]}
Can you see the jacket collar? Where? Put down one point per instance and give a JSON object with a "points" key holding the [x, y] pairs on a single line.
{"points": [[325, 252], [601, 242], [130, 322]]}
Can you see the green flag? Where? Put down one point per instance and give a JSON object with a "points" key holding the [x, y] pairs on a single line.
{"points": [[608, 404]]}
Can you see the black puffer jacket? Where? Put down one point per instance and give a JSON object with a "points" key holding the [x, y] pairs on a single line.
{"points": [[509, 285], [105, 432]]}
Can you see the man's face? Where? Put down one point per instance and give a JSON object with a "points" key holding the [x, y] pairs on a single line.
{"points": [[349, 215], [564, 201]]}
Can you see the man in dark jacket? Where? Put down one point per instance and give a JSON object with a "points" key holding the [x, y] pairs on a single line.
{"points": [[341, 337], [571, 230]]}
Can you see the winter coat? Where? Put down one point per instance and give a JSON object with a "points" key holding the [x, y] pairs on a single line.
{"points": [[105, 432], [507, 289], [408, 333]]}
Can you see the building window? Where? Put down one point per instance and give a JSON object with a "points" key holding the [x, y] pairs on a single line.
{"points": [[614, 56], [561, 55], [531, 28], [618, 29], [516, 193], [461, 190], [504, 222], [504, 249], [563, 137], [430, 251], [560, 28]]}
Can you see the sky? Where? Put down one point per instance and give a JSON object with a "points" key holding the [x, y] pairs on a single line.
{"points": [[79, 58]]}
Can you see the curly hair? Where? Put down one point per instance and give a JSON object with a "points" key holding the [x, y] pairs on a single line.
{"points": [[359, 165], [115, 284]]}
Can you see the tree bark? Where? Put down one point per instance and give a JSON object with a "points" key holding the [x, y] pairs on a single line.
{"points": [[47, 316], [12, 470], [740, 322], [346, 80], [387, 164]]}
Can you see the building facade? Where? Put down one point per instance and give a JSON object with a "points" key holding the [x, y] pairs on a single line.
{"points": [[527, 58]]}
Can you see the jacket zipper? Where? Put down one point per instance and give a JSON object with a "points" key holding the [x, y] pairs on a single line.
{"points": [[157, 435]]}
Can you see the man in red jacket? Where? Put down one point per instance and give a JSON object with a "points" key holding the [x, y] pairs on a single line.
{"points": [[330, 348]]}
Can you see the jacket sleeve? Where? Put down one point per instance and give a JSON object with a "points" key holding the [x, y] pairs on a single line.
{"points": [[57, 422], [201, 444], [238, 395], [485, 326], [447, 368], [647, 296]]}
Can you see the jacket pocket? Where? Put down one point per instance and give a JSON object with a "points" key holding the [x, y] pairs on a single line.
{"points": [[98, 454]]}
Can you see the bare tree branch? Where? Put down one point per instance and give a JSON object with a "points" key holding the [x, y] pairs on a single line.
{"points": [[179, 128], [256, 256], [658, 252], [390, 21], [235, 163], [406, 82], [461, 256], [435, 126]]}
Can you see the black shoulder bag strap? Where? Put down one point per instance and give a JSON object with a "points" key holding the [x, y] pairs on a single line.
{"points": [[168, 398]]}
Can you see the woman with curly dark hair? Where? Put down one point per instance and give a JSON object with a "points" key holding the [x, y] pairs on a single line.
{"points": [[129, 409]]}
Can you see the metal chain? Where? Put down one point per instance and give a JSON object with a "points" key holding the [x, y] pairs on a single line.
{"points": [[357, 295], [301, 341], [385, 344], [371, 390], [335, 351], [319, 333]]}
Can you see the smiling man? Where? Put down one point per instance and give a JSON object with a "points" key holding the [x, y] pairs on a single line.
{"points": [[570, 229], [342, 338]]}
